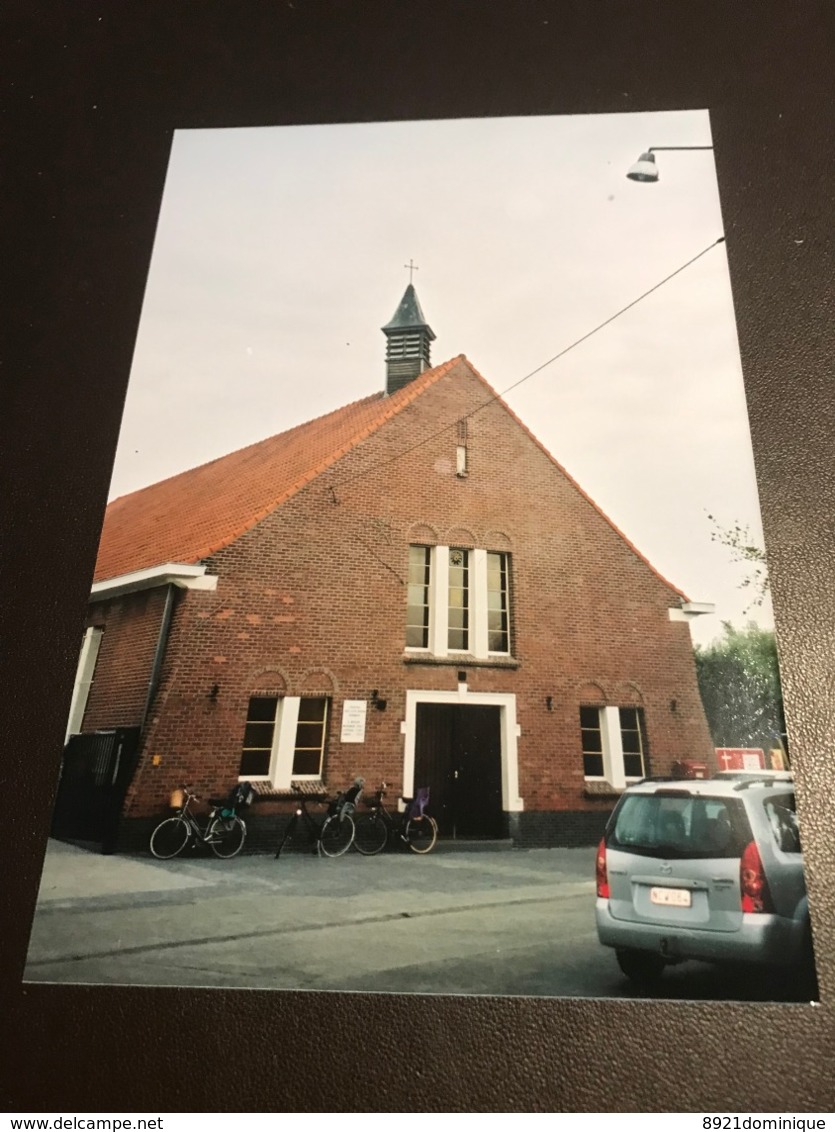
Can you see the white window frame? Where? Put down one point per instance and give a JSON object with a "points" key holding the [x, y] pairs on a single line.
{"points": [[84, 674], [280, 772], [614, 770], [439, 606]]}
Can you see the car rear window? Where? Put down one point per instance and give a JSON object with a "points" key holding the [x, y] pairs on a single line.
{"points": [[680, 826], [782, 818]]}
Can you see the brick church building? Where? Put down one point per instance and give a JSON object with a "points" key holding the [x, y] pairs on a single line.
{"points": [[410, 588]]}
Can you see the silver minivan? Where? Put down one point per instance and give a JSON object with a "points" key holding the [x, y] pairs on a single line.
{"points": [[707, 869]]}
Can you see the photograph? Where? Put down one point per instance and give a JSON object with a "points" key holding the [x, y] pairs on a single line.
{"points": [[430, 646]]}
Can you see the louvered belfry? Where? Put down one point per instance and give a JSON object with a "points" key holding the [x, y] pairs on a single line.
{"points": [[408, 337]]}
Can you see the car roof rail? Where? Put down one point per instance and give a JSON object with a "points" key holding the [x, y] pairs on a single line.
{"points": [[764, 780]]}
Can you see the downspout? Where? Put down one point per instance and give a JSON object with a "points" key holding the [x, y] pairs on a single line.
{"points": [[159, 652]]}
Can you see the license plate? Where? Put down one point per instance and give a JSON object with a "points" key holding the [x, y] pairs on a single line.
{"points": [[671, 897]]}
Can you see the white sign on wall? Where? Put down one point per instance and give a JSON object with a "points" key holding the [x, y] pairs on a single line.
{"points": [[353, 721]]}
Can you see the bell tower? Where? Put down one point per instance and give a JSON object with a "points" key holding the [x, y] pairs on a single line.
{"points": [[408, 336]]}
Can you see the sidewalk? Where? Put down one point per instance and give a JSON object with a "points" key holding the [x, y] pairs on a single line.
{"points": [[71, 873]]}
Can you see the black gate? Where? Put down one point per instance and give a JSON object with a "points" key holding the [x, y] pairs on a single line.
{"points": [[96, 771]]}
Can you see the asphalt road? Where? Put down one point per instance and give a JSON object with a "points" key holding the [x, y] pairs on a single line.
{"points": [[490, 923]]}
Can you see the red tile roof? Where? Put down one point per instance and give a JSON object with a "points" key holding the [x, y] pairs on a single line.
{"points": [[194, 514]]}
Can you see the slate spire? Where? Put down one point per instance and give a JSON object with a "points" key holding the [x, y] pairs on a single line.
{"points": [[408, 335]]}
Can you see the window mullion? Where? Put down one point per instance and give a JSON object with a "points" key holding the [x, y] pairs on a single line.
{"points": [[439, 614], [612, 747], [284, 741], [478, 604]]}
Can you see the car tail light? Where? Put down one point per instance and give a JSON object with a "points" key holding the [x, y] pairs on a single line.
{"points": [[600, 867], [754, 892]]}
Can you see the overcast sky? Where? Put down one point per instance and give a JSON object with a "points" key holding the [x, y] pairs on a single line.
{"points": [[279, 255]]}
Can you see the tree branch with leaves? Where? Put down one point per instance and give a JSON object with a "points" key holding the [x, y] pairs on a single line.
{"points": [[747, 552]]}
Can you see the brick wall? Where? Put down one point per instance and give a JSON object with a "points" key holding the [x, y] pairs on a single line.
{"points": [[313, 599], [123, 668]]}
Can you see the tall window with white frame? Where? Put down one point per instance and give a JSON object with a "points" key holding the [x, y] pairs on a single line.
{"points": [[458, 632], [458, 601], [613, 744], [284, 737], [83, 679], [417, 615], [498, 624]]}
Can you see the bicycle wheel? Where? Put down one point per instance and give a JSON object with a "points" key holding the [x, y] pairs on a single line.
{"points": [[337, 835], [371, 834], [421, 834], [170, 838], [226, 837]]}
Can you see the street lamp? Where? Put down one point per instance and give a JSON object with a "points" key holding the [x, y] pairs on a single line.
{"points": [[645, 168]]}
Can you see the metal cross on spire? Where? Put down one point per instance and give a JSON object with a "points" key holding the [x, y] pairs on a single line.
{"points": [[411, 267]]}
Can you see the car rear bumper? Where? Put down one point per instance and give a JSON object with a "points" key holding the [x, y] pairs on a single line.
{"points": [[766, 939]]}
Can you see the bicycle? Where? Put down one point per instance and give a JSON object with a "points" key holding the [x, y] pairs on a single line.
{"points": [[415, 827], [224, 833], [333, 836]]}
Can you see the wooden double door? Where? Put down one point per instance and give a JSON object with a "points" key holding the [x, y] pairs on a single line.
{"points": [[458, 755]]}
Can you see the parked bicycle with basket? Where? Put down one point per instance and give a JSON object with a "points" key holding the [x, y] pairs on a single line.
{"points": [[413, 826], [224, 832], [335, 834]]}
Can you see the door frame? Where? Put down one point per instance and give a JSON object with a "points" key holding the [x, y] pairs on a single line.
{"points": [[509, 732]]}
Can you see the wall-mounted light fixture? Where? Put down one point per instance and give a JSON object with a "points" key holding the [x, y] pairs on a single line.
{"points": [[379, 704], [673, 705], [549, 703], [214, 693]]}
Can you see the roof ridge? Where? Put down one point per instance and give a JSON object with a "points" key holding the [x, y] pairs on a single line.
{"points": [[596, 506], [246, 447], [313, 448], [404, 396], [317, 444]]}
